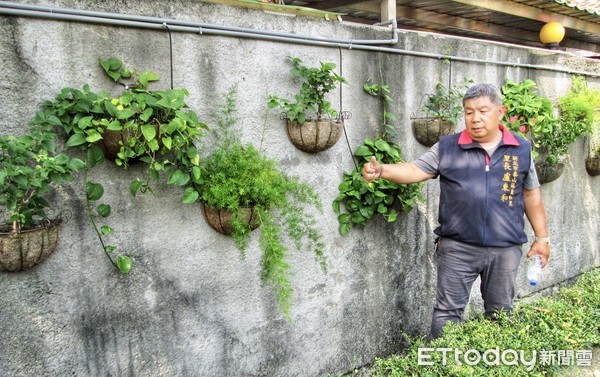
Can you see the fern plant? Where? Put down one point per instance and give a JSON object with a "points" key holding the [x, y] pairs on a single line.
{"points": [[238, 175], [361, 200], [579, 109]]}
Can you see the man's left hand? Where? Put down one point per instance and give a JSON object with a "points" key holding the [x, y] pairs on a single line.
{"points": [[542, 249]]}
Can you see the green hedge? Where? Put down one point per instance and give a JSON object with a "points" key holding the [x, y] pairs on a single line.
{"points": [[556, 330]]}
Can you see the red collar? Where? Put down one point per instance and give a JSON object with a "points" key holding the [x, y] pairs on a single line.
{"points": [[507, 137]]}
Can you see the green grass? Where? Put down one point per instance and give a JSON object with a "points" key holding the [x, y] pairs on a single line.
{"points": [[566, 321]]}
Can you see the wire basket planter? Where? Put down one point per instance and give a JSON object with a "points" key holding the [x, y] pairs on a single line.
{"points": [[314, 136]]}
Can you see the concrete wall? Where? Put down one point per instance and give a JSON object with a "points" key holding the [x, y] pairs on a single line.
{"points": [[191, 305]]}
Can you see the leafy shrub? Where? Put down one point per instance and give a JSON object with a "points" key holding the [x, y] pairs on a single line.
{"points": [[29, 168], [446, 104], [316, 83], [532, 115], [528, 112]]}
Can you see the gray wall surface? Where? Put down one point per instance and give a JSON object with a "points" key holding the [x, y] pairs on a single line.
{"points": [[191, 306]]}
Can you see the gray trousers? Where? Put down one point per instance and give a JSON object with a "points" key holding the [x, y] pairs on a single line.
{"points": [[458, 265]]}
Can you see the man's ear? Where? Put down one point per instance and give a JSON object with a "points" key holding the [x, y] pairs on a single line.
{"points": [[502, 110]]}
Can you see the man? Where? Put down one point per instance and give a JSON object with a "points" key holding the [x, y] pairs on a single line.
{"points": [[487, 182]]}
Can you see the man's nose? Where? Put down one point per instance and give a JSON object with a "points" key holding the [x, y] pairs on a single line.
{"points": [[476, 117]]}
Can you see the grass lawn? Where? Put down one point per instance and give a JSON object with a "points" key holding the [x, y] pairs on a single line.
{"points": [[557, 335]]}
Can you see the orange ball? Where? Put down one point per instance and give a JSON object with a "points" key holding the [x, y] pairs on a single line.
{"points": [[552, 32]]}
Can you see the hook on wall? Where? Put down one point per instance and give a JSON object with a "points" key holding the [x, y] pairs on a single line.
{"points": [[164, 24], [345, 114]]}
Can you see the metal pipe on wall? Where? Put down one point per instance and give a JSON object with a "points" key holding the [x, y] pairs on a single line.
{"points": [[202, 25], [117, 19]]}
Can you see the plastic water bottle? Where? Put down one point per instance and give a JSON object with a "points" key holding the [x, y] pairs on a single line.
{"points": [[534, 269]]}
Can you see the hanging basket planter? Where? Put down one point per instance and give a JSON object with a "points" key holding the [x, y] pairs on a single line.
{"points": [[315, 136], [549, 172], [592, 166], [221, 219], [428, 131], [19, 251], [112, 141]]}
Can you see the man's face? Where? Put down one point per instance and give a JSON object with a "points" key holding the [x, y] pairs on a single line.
{"points": [[482, 117]]}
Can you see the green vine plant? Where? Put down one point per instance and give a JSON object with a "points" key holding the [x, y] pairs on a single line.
{"points": [[362, 201], [95, 191], [237, 176], [448, 52], [153, 127], [150, 126]]}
